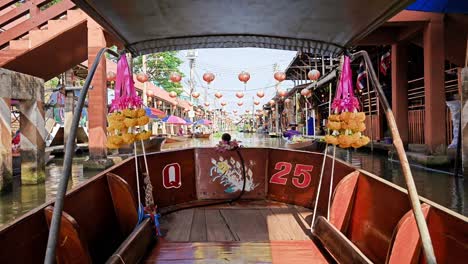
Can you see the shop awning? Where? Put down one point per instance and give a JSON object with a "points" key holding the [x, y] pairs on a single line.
{"points": [[320, 26]]}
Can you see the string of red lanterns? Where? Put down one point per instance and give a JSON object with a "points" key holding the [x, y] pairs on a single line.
{"points": [[175, 77], [142, 77], [208, 77], [279, 76], [313, 75]]}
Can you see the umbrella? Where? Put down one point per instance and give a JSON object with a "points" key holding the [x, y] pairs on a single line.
{"points": [[155, 113], [204, 122], [174, 120]]}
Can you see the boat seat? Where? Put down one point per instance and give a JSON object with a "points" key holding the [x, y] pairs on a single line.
{"points": [[135, 247], [125, 205], [343, 199], [71, 245], [406, 244], [337, 244]]}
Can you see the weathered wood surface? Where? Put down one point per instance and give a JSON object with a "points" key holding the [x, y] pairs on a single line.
{"points": [[237, 252], [237, 223]]}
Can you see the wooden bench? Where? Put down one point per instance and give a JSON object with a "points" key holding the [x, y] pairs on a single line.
{"points": [[138, 238], [71, 244]]}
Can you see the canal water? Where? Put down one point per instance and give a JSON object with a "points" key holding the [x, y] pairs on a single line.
{"points": [[439, 187]]}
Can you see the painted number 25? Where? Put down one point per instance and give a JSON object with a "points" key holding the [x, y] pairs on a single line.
{"points": [[301, 177]]}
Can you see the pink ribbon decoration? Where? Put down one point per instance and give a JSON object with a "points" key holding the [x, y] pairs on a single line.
{"points": [[344, 98], [125, 92]]}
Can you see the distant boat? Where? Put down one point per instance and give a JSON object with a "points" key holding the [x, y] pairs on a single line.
{"points": [[308, 145], [202, 135]]}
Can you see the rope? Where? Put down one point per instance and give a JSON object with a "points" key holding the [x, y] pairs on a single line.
{"points": [[137, 174], [318, 188], [331, 183]]}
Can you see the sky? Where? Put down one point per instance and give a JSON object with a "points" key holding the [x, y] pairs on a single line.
{"points": [[226, 64]]}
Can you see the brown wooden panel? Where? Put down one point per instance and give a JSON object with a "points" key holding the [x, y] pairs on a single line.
{"points": [[198, 232], [220, 174], [377, 210], [164, 196], [279, 160], [246, 225], [342, 250], [449, 236], [343, 200], [71, 244], [237, 252], [177, 226], [217, 229]]}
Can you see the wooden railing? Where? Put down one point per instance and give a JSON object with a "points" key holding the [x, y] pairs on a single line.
{"points": [[416, 126], [24, 17]]}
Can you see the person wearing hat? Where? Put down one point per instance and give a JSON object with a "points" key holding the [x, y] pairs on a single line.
{"points": [[291, 132]]}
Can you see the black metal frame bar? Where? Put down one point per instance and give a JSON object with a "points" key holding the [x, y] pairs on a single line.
{"points": [[67, 164]]}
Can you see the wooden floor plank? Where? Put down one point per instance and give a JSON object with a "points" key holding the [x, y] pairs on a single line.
{"points": [[247, 224], [198, 229], [274, 226], [216, 228], [178, 225], [291, 223]]}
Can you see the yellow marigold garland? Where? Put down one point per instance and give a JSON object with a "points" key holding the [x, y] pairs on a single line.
{"points": [[122, 127]]}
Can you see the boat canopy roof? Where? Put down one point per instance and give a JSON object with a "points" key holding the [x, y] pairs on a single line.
{"points": [[319, 26]]}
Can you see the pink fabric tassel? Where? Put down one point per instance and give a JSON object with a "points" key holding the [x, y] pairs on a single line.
{"points": [[345, 99]]}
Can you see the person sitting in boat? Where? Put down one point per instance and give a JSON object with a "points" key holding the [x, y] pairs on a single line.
{"points": [[181, 132], [289, 134]]}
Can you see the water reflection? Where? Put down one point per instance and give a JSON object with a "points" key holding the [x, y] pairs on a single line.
{"points": [[438, 187], [23, 198]]}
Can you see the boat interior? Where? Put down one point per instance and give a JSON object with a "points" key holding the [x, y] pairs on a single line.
{"points": [[204, 220]]}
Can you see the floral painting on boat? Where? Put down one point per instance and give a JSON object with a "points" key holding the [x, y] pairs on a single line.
{"points": [[228, 172]]}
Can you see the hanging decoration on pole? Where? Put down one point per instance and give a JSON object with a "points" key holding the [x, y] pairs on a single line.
{"points": [[240, 103], [282, 93], [195, 95], [223, 103], [111, 76], [239, 95], [208, 77], [313, 75], [260, 94], [244, 77], [306, 92], [279, 76], [175, 77], [172, 94], [142, 77], [218, 95], [256, 102], [346, 124]]}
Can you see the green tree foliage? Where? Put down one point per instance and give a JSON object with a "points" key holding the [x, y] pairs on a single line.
{"points": [[159, 67]]}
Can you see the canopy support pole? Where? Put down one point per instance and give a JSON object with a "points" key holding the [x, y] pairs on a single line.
{"points": [[67, 163], [397, 142]]}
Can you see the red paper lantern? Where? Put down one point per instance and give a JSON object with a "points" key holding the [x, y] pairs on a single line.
{"points": [[208, 77], [195, 95], [247, 111], [305, 92], [240, 103], [175, 77], [234, 111], [244, 77], [160, 103], [207, 104], [142, 77], [282, 93], [150, 92], [223, 103], [256, 102], [190, 104], [172, 94], [260, 94], [280, 76], [239, 95], [111, 76], [272, 102], [218, 95], [313, 75]]}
